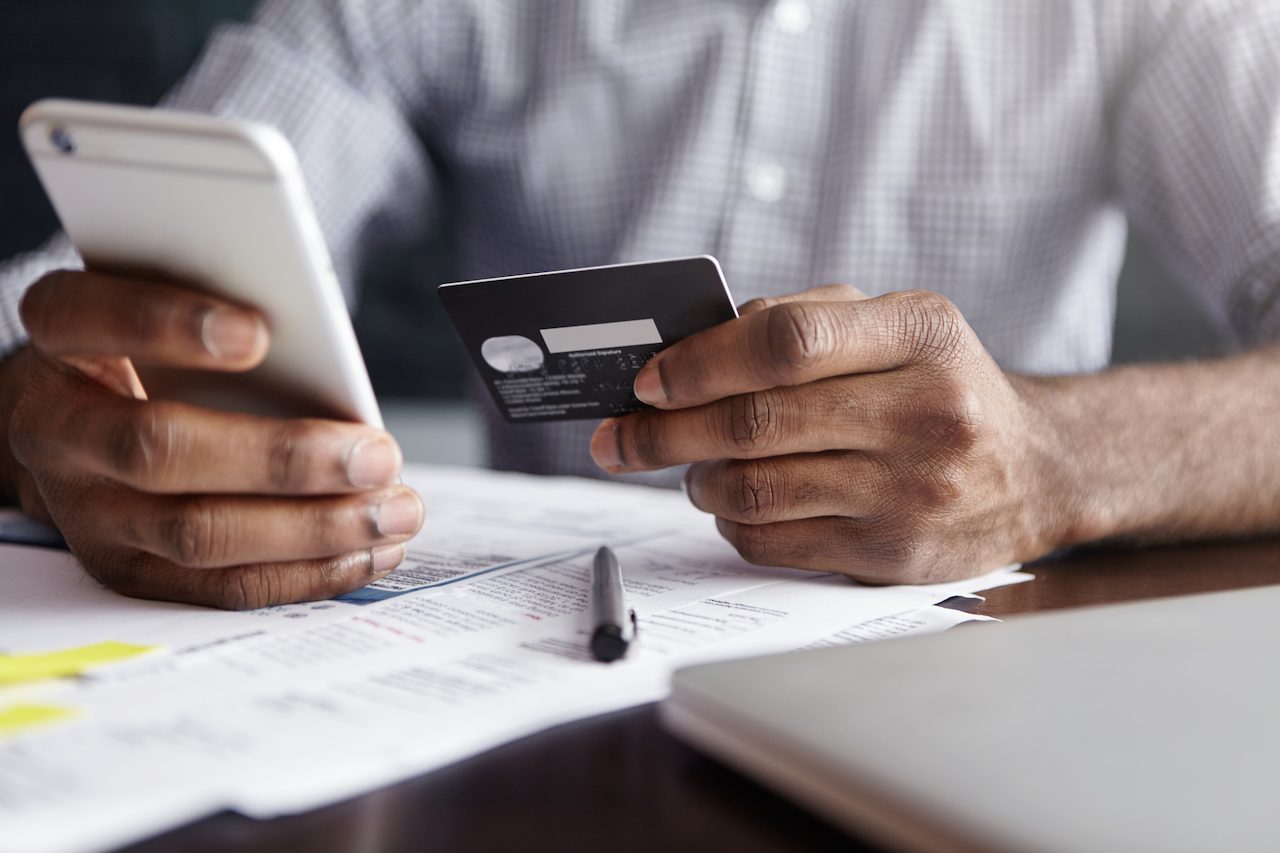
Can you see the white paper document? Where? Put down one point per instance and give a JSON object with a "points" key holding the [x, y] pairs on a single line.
{"points": [[481, 637]]}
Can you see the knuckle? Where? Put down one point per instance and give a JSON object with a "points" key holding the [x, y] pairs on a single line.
{"points": [[950, 416], [191, 536], [140, 445], [337, 575], [290, 456], [933, 327], [798, 337], [936, 490], [759, 494], [243, 590], [163, 315], [755, 422], [165, 319], [148, 322]]}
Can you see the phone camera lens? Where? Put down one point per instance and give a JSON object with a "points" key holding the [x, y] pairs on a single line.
{"points": [[62, 140]]}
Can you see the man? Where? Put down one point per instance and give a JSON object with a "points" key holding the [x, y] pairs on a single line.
{"points": [[969, 165]]}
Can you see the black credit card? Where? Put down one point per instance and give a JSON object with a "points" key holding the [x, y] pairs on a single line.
{"points": [[567, 345]]}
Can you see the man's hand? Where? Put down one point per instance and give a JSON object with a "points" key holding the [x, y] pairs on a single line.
{"points": [[171, 501], [828, 431]]}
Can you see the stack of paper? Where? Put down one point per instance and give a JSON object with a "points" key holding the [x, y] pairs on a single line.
{"points": [[481, 637]]}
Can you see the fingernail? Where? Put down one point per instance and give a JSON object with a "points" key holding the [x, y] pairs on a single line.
{"points": [[387, 558], [228, 333], [648, 387], [604, 445], [373, 462], [399, 515]]}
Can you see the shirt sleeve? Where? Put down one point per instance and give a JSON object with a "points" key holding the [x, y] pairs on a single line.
{"points": [[1196, 130], [341, 81]]}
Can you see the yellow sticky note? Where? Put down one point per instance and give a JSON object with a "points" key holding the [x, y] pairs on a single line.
{"points": [[17, 719], [19, 669]]}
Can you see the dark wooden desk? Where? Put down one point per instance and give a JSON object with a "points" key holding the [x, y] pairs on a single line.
{"points": [[619, 783]]}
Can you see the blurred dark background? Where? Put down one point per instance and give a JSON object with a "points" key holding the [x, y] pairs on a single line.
{"points": [[131, 51]]}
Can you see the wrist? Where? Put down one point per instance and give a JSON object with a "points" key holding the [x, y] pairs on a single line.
{"points": [[1065, 507]]}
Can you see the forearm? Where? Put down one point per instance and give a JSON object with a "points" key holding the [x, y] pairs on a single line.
{"points": [[1161, 452]]}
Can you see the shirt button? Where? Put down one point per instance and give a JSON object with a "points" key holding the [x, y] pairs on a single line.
{"points": [[792, 16], [767, 181]]}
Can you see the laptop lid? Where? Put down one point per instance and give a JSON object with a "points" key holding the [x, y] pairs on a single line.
{"points": [[1150, 726]]}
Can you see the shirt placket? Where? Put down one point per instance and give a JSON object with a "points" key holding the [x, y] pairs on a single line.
{"points": [[774, 205]]}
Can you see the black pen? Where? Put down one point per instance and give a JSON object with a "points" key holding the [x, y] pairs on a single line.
{"points": [[615, 624]]}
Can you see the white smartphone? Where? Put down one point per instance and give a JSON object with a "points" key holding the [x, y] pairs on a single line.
{"points": [[213, 204]]}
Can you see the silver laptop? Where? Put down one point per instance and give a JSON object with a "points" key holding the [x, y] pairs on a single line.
{"points": [[1151, 726]]}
